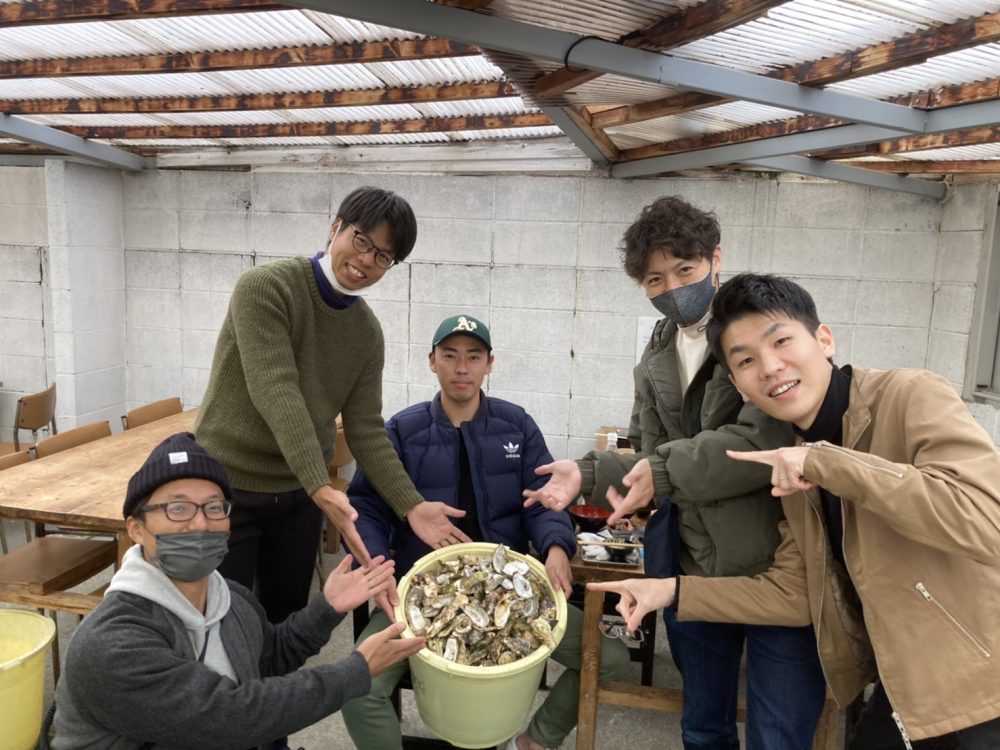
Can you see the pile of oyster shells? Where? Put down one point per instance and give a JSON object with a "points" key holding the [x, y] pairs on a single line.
{"points": [[481, 610]]}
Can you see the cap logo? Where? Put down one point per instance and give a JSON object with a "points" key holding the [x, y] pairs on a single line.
{"points": [[465, 325], [181, 457]]}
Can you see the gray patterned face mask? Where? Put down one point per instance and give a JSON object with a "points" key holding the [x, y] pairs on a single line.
{"points": [[190, 555], [687, 304]]}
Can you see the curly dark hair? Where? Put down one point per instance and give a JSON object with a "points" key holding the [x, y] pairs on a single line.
{"points": [[668, 223]]}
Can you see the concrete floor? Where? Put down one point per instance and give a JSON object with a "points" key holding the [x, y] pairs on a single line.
{"points": [[617, 727]]}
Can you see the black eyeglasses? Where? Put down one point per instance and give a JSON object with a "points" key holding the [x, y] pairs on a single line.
{"points": [[383, 258], [185, 510]]}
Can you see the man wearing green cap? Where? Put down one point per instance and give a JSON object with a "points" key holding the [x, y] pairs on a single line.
{"points": [[476, 454]]}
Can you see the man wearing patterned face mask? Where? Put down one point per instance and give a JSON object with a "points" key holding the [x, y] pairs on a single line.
{"points": [[173, 635], [685, 414]]}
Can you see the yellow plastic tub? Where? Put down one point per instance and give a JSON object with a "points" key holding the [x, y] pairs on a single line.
{"points": [[476, 706], [23, 638]]}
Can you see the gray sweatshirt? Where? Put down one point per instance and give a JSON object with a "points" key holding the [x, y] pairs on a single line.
{"points": [[133, 677]]}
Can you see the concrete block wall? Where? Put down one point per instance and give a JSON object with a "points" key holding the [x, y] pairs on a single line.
{"points": [[87, 292], [24, 367], [535, 257]]}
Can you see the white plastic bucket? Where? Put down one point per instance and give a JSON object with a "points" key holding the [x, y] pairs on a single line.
{"points": [[23, 638], [476, 706]]}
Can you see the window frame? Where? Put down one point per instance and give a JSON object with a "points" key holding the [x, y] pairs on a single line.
{"points": [[982, 367]]}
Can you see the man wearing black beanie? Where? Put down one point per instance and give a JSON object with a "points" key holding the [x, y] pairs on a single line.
{"points": [[177, 656]]}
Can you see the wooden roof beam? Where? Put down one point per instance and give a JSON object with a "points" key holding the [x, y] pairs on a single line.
{"points": [[910, 49], [200, 62], [234, 102], [66, 11], [303, 129], [970, 137], [676, 29]]}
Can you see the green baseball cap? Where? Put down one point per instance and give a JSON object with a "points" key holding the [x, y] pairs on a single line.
{"points": [[462, 324]]}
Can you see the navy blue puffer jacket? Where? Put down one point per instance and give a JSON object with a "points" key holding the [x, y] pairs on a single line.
{"points": [[505, 446]]}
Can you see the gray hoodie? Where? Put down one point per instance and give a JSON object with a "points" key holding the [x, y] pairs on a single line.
{"points": [[136, 576], [133, 679]]}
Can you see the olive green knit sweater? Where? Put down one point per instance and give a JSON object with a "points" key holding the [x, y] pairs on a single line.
{"points": [[285, 365]]}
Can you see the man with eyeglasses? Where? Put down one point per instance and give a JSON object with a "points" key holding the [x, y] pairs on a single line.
{"points": [[298, 347], [177, 656]]}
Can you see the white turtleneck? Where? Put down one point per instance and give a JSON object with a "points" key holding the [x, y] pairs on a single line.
{"points": [[692, 348]]}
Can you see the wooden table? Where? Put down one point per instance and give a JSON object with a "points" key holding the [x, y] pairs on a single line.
{"points": [[593, 691], [84, 487]]}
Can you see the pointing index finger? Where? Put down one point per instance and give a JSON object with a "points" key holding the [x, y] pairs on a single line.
{"points": [[758, 457]]}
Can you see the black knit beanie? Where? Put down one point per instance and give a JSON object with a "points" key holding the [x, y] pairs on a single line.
{"points": [[177, 457]]}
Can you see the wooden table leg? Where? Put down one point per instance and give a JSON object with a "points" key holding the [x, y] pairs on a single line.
{"points": [[590, 662], [124, 542]]}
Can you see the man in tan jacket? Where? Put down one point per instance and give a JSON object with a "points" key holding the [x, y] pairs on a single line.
{"points": [[891, 544]]}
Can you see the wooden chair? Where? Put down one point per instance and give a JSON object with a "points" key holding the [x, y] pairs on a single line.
{"points": [[151, 412], [64, 441], [6, 462], [33, 412], [71, 438], [39, 573]]}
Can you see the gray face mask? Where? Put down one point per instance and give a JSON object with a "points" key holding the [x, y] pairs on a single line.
{"points": [[687, 304], [190, 555]]}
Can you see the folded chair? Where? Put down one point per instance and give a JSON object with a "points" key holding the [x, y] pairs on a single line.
{"points": [[33, 412], [151, 412]]}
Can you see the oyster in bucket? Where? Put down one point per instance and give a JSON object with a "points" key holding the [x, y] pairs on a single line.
{"points": [[481, 609]]}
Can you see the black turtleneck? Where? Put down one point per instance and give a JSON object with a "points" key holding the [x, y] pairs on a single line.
{"points": [[828, 426]]}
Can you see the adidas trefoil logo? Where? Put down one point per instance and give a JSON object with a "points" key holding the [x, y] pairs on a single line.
{"points": [[512, 450]]}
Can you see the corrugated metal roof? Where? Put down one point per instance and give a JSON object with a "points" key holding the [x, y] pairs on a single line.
{"points": [[790, 33], [609, 20], [965, 66]]}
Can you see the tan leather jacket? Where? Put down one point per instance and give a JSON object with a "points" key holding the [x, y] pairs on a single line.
{"points": [[920, 480]]}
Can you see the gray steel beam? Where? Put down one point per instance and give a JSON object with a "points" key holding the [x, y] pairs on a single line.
{"points": [[580, 139], [938, 121], [41, 135], [817, 140], [858, 176], [541, 43], [963, 116]]}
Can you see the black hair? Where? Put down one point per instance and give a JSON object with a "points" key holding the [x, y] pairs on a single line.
{"points": [[367, 207], [757, 294], [668, 223]]}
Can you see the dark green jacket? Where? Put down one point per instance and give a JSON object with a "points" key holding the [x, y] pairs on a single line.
{"points": [[728, 518]]}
